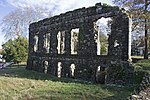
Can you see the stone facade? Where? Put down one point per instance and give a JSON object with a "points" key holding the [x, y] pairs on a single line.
{"points": [[43, 53]]}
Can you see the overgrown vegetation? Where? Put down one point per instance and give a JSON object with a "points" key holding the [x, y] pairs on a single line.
{"points": [[141, 67], [16, 83]]}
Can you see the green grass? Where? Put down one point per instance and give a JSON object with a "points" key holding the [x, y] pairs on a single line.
{"points": [[17, 83], [137, 57], [143, 65]]}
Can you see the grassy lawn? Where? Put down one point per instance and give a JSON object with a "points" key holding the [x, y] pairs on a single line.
{"points": [[17, 83], [144, 65], [141, 67]]}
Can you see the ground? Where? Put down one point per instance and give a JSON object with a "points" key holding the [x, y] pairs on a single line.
{"points": [[17, 83]]}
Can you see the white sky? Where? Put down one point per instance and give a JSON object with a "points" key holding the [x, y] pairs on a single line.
{"points": [[55, 6]]}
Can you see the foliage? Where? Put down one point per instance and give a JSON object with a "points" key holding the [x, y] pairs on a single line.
{"points": [[140, 10], [104, 43], [144, 64], [134, 48], [16, 50], [137, 43], [141, 67], [20, 84]]}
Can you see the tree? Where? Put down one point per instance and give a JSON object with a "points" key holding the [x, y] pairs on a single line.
{"points": [[104, 44], [146, 29], [16, 23], [134, 48], [137, 45], [16, 50], [140, 11]]}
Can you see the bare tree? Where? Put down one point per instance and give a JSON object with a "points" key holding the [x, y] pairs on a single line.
{"points": [[16, 23]]}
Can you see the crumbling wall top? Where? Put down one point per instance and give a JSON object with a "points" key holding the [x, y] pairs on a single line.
{"points": [[99, 10]]}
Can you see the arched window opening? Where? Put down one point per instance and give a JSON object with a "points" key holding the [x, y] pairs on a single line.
{"points": [[100, 75], [59, 67], [72, 70], [45, 66], [102, 30], [35, 43]]}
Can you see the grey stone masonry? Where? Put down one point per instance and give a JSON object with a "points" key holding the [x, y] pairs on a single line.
{"points": [[86, 64]]}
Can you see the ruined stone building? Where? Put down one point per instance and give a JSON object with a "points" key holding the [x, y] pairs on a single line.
{"points": [[68, 45]]}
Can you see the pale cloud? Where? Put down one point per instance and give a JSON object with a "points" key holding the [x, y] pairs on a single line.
{"points": [[55, 6], [45, 4]]}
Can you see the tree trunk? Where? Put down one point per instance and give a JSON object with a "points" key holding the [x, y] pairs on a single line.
{"points": [[146, 32], [146, 42]]}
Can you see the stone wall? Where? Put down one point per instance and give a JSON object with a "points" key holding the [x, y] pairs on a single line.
{"points": [[88, 65]]}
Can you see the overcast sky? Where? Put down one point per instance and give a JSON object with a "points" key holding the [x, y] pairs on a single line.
{"points": [[54, 6]]}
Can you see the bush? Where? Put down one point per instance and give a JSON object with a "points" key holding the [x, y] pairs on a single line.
{"points": [[140, 68]]}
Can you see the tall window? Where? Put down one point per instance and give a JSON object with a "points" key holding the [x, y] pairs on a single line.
{"points": [[35, 43], [61, 42], [47, 42], [102, 28], [74, 40]]}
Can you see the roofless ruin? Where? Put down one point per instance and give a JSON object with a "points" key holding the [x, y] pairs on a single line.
{"points": [[69, 45]]}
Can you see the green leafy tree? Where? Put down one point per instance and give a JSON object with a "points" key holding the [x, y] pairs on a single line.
{"points": [[140, 10], [16, 50]]}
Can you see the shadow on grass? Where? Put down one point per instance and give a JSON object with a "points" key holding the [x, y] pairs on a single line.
{"points": [[19, 71]]}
